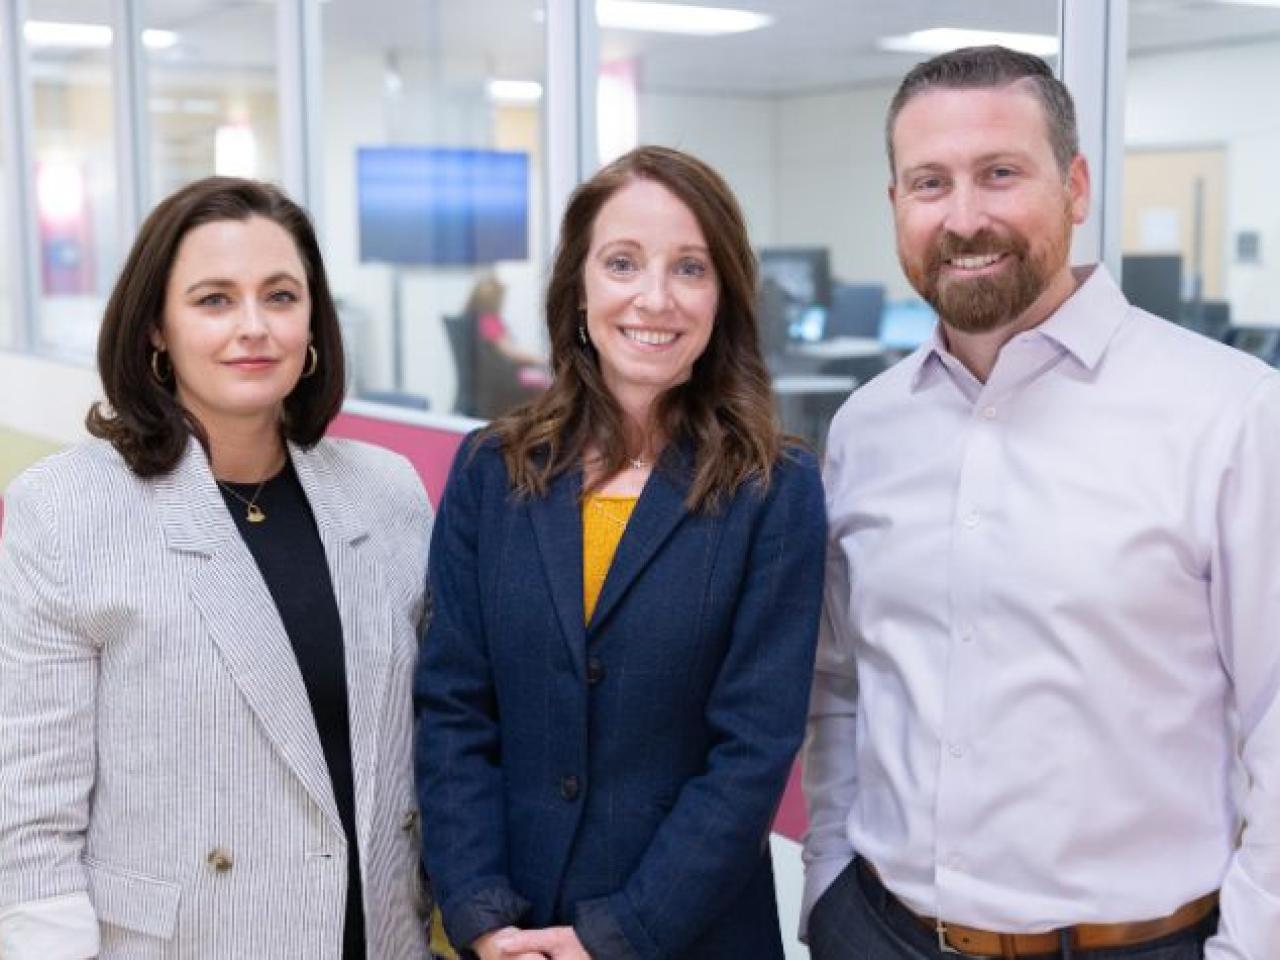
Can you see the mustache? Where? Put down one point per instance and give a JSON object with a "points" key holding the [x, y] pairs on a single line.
{"points": [[983, 242]]}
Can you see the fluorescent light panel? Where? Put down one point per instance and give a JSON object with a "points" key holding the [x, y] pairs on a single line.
{"points": [[87, 36], [677, 18], [514, 91], [1273, 4], [942, 39]]}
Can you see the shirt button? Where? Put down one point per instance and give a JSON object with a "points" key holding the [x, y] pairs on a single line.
{"points": [[953, 861], [972, 519], [955, 749], [595, 670], [989, 412], [966, 634], [570, 787], [220, 859]]}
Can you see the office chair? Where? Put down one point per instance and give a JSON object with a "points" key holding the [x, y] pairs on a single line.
{"points": [[460, 329]]}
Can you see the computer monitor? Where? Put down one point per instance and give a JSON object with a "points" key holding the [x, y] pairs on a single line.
{"points": [[906, 324], [855, 310], [1153, 281], [799, 280]]}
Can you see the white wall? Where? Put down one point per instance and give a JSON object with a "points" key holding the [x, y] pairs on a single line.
{"points": [[736, 135], [1224, 97], [833, 179], [46, 398], [808, 170]]}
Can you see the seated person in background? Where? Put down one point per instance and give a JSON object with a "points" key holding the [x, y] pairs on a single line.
{"points": [[507, 374]]}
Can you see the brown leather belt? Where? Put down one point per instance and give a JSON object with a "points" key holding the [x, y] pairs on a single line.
{"points": [[955, 938]]}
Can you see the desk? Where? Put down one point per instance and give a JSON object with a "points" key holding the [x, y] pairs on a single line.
{"points": [[839, 348]]}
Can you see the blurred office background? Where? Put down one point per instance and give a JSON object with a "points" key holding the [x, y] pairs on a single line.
{"points": [[436, 140]]}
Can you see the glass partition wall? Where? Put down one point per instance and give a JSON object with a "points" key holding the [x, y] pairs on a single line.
{"points": [[1201, 215], [436, 153]]}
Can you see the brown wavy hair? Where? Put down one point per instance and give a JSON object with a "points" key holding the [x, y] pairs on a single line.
{"points": [[142, 417], [724, 411]]}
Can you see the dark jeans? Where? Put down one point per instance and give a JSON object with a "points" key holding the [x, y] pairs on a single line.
{"points": [[858, 919]]}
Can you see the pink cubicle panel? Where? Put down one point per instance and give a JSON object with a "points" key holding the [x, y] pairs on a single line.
{"points": [[429, 449]]}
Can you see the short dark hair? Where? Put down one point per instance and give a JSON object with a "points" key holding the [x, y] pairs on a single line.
{"points": [[142, 417], [725, 410], [980, 68]]}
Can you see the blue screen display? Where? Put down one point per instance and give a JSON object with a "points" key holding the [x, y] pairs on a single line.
{"points": [[442, 206]]}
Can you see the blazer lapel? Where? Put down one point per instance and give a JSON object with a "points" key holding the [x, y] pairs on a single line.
{"points": [[657, 513], [557, 527], [368, 619], [232, 598]]}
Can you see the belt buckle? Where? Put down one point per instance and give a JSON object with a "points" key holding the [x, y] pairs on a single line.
{"points": [[943, 947]]}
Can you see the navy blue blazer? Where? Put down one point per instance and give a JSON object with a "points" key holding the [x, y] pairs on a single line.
{"points": [[621, 775]]}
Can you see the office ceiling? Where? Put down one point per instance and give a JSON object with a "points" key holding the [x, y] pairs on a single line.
{"points": [[813, 45]]}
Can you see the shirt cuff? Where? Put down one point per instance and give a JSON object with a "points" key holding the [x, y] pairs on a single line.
{"points": [[489, 909], [600, 932], [55, 928], [818, 876]]}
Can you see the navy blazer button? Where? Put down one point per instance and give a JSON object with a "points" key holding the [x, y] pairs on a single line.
{"points": [[569, 787], [595, 670], [219, 859], [409, 821]]}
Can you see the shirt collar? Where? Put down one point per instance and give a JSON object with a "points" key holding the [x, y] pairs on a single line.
{"points": [[1089, 318], [1083, 325]]}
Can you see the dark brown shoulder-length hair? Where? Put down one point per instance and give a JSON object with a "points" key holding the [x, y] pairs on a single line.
{"points": [[142, 417], [724, 411]]}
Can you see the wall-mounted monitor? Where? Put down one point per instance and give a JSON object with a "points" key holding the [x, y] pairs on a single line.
{"points": [[442, 206]]}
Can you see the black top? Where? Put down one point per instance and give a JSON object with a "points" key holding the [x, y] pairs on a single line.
{"points": [[290, 555]]}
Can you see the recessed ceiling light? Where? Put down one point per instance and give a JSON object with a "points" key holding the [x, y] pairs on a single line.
{"points": [[677, 18], [87, 36], [515, 91], [1274, 4], [942, 39], [159, 39]]}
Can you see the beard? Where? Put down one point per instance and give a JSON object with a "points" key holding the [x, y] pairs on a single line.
{"points": [[981, 304]]}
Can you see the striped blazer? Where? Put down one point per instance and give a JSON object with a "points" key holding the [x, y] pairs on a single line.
{"points": [[160, 771]]}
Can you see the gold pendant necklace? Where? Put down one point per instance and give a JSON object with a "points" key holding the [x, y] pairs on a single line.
{"points": [[253, 513]]}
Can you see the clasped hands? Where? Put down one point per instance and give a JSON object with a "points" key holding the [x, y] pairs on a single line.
{"points": [[512, 943]]}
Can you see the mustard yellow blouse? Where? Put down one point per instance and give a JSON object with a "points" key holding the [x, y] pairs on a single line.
{"points": [[604, 517]]}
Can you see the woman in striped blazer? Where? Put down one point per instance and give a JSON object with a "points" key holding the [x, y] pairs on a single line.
{"points": [[210, 620]]}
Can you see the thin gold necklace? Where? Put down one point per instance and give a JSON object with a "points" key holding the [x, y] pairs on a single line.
{"points": [[253, 512]]}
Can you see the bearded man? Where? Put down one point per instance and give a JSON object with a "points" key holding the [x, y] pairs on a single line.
{"points": [[1046, 715]]}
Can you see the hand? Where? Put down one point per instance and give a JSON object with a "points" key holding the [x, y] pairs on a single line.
{"points": [[494, 946], [558, 943]]}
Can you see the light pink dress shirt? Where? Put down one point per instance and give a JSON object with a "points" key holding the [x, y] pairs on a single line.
{"points": [[1052, 629]]}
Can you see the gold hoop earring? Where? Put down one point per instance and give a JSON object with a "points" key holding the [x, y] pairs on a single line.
{"points": [[161, 378], [314, 357]]}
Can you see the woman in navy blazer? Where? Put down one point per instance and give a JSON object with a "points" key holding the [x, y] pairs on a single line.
{"points": [[598, 762]]}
